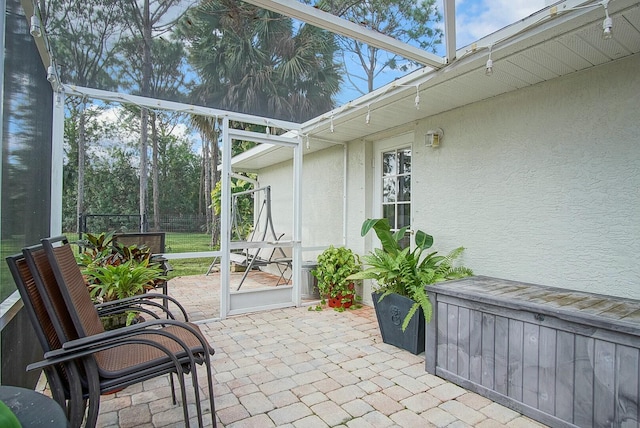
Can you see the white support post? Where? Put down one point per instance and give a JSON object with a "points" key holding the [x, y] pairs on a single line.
{"points": [[57, 163], [225, 217], [335, 24], [297, 221], [450, 29]]}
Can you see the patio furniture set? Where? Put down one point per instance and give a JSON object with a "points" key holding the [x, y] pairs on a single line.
{"points": [[82, 361], [564, 358]]}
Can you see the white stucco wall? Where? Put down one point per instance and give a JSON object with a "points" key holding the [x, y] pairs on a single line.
{"points": [[322, 199], [540, 185]]}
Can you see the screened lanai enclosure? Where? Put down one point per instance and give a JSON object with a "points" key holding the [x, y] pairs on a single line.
{"points": [[150, 105], [163, 110]]}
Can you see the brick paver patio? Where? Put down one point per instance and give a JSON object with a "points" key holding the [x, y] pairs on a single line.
{"points": [[300, 368]]}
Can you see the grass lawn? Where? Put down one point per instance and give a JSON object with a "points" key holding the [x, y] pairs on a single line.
{"points": [[187, 242], [186, 267]]}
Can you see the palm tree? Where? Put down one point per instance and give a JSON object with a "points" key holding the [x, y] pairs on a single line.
{"points": [[256, 61]]}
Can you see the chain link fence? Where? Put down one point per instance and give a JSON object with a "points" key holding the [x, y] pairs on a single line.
{"points": [[184, 232]]}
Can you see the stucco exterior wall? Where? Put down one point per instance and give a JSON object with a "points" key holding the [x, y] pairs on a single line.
{"points": [[322, 200], [542, 184]]}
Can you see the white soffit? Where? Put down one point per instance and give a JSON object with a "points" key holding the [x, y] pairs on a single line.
{"points": [[556, 46]]}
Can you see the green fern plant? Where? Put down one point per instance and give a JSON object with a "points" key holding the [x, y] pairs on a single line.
{"points": [[402, 271]]}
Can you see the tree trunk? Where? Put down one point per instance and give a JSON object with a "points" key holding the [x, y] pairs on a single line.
{"points": [[207, 183]]}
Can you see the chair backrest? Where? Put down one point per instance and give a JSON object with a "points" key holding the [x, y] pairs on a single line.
{"points": [[72, 287], [48, 293], [33, 303], [154, 240], [38, 309]]}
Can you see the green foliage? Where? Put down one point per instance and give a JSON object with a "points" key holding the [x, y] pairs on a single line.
{"points": [[115, 271], [113, 282], [112, 177], [243, 210], [101, 250], [258, 62], [335, 266], [406, 272]]}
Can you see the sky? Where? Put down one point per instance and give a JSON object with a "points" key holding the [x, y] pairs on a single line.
{"points": [[474, 20], [478, 18]]}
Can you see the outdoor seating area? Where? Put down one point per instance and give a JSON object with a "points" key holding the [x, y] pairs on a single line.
{"points": [[300, 368], [457, 180]]}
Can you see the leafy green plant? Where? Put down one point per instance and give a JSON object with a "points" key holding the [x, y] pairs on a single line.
{"points": [[115, 271], [101, 250], [405, 272], [335, 265], [113, 282], [118, 281]]}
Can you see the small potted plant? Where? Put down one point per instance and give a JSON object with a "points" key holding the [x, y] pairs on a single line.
{"points": [[401, 276], [335, 265]]}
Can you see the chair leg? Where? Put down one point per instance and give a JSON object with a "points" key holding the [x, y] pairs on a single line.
{"points": [[196, 393], [173, 389], [93, 386], [77, 405], [210, 387]]}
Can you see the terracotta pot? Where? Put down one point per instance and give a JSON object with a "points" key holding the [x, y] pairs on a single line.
{"points": [[336, 302]]}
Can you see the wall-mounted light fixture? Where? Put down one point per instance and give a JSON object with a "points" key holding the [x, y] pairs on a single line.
{"points": [[367, 118], [433, 138], [35, 29]]}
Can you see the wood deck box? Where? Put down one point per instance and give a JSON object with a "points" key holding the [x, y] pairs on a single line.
{"points": [[565, 358]]}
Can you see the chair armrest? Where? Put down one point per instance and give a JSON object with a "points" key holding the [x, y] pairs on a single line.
{"points": [[117, 306], [150, 327], [60, 356], [162, 261], [87, 346]]}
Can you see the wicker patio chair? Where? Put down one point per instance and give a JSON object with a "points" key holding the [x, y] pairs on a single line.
{"points": [[63, 379], [119, 358]]}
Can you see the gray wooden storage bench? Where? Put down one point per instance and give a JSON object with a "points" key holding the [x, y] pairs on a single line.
{"points": [[565, 358]]}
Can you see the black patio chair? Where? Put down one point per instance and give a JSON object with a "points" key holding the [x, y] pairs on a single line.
{"points": [[64, 378], [111, 360]]}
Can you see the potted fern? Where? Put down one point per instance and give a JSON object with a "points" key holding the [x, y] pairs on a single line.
{"points": [[335, 264], [399, 297]]}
